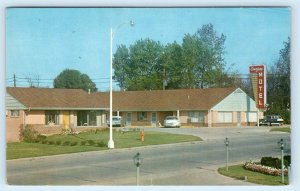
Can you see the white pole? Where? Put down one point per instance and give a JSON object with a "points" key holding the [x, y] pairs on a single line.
{"points": [[282, 165], [226, 157], [111, 144], [137, 175]]}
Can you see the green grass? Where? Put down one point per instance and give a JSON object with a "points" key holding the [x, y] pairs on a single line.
{"points": [[282, 129], [122, 140], [238, 172]]}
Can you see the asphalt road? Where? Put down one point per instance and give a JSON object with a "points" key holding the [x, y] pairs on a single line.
{"points": [[192, 163]]}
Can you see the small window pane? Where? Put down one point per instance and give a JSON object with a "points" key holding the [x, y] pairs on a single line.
{"points": [[14, 113]]}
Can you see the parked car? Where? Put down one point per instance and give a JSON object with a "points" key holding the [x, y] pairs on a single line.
{"points": [[172, 121], [116, 121], [271, 120]]}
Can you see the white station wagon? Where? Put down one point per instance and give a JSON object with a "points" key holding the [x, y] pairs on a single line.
{"points": [[172, 121]]}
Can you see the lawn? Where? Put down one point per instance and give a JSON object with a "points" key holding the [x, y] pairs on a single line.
{"points": [[238, 172], [61, 144], [282, 129]]}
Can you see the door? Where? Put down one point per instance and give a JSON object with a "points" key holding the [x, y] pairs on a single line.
{"points": [[153, 119], [66, 119], [128, 119]]}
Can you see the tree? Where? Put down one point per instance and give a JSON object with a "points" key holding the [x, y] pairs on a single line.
{"points": [[278, 87], [137, 68], [73, 79], [196, 63]]}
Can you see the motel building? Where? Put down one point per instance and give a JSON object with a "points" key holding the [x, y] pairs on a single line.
{"points": [[49, 110]]}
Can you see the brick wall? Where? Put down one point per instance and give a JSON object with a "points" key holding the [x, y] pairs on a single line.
{"points": [[13, 126]]}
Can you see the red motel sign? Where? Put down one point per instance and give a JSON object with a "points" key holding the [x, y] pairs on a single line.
{"points": [[260, 85]]}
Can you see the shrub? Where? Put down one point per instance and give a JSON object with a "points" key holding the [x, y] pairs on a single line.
{"points": [[287, 160], [40, 137], [28, 134], [91, 142], [275, 162], [66, 143], [74, 143], [58, 142], [44, 141], [83, 143], [101, 144], [271, 162], [51, 142]]}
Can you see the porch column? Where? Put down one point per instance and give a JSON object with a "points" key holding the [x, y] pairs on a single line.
{"points": [[178, 114], [118, 113], [209, 121], [257, 117]]}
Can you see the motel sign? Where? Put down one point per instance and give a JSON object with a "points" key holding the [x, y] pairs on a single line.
{"points": [[258, 77]]}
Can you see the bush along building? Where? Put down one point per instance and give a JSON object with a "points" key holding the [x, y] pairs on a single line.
{"points": [[50, 111]]}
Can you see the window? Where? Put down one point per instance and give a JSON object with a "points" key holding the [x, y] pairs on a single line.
{"points": [[142, 116], [251, 116], [14, 113], [86, 118], [52, 118], [93, 118], [196, 117], [225, 117]]}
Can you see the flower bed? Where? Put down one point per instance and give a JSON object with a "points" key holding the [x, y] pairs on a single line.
{"points": [[264, 169]]}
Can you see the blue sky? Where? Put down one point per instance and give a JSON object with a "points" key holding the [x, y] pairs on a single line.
{"points": [[45, 41]]}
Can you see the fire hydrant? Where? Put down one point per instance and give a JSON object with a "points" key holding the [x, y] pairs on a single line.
{"points": [[142, 136]]}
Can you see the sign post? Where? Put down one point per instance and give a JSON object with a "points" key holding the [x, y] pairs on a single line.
{"points": [[259, 82]]}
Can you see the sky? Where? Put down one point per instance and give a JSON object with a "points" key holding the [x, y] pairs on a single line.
{"points": [[42, 42]]}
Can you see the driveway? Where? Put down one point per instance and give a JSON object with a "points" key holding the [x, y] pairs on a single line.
{"points": [[215, 133]]}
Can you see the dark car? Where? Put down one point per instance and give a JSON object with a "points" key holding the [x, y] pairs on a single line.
{"points": [[271, 120]]}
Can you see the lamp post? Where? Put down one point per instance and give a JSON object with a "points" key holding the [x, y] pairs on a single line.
{"points": [[137, 159], [282, 160], [227, 145], [111, 143]]}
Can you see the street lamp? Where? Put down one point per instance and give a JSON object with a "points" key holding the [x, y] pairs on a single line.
{"points": [[227, 145], [111, 143], [282, 160], [137, 160]]}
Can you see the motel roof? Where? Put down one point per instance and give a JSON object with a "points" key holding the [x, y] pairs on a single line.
{"points": [[154, 100]]}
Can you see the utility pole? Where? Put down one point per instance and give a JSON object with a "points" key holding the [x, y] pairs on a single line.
{"points": [[15, 83]]}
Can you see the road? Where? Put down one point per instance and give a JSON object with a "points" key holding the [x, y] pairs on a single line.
{"points": [[192, 163]]}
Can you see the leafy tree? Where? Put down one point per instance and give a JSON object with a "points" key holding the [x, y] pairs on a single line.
{"points": [[73, 79], [278, 87], [196, 63], [171, 65], [138, 67]]}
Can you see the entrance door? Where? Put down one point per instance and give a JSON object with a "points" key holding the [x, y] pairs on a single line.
{"points": [[66, 119], [128, 119], [238, 118], [154, 119]]}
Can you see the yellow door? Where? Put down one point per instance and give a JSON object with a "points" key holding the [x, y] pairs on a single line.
{"points": [[66, 119]]}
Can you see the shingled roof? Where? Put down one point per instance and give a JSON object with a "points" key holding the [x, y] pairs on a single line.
{"points": [[54, 98], [155, 100], [166, 100]]}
